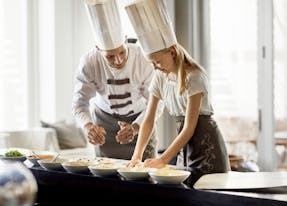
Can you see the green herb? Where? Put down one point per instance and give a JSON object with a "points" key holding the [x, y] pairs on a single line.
{"points": [[13, 153]]}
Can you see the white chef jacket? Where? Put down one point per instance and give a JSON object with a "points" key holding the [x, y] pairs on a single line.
{"points": [[115, 91]]}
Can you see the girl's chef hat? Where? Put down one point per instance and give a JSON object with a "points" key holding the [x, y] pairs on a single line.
{"points": [[106, 23], [152, 24]]}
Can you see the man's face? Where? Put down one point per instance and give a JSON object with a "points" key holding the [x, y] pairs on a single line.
{"points": [[116, 57]]}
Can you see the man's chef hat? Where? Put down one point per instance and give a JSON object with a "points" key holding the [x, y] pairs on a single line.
{"points": [[106, 23], [152, 24]]}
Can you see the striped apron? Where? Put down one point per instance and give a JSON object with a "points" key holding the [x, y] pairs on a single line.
{"points": [[112, 148], [205, 152]]}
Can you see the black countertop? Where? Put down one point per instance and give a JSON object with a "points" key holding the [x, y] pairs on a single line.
{"points": [[63, 188]]}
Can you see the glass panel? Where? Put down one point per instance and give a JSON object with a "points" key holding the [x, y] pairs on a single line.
{"points": [[13, 106], [233, 73], [280, 76]]}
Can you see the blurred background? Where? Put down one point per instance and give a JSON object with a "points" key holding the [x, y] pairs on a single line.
{"points": [[241, 43]]}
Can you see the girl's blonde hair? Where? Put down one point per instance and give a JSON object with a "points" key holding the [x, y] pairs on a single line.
{"points": [[182, 58]]}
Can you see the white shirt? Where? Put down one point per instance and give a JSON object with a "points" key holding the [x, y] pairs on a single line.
{"points": [[167, 90], [94, 86]]}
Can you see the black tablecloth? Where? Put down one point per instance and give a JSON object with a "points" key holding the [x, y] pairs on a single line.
{"points": [[62, 188]]}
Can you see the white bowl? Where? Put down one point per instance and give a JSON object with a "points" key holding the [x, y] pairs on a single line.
{"points": [[40, 155], [169, 176], [47, 164], [103, 171], [105, 168], [75, 167], [106, 160], [135, 173]]}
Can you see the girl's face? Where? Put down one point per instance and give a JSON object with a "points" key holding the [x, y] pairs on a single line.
{"points": [[164, 61], [116, 58]]}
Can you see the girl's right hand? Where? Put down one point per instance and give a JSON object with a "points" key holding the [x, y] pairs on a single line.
{"points": [[95, 134], [133, 162]]}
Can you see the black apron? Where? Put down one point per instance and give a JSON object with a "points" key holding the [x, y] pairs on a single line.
{"points": [[205, 152], [112, 148]]}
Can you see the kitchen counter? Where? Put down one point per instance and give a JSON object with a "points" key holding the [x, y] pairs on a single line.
{"points": [[62, 188]]}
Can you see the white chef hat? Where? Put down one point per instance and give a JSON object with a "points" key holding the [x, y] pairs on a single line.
{"points": [[152, 24], [106, 23]]}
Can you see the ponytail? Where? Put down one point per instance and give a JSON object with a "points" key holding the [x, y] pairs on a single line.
{"points": [[182, 57]]}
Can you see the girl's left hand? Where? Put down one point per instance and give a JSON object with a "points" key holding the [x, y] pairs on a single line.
{"points": [[154, 163]]}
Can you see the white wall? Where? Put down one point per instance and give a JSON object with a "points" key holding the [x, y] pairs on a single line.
{"points": [[46, 60], [64, 60], [83, 36], [60, 46]]}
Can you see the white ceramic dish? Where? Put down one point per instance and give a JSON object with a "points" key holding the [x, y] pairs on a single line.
{"points": [[33, 158], [47, 164], [76, 167], [169, 176], [105, 168], [102, 171], [106, 160], [135, 173]]}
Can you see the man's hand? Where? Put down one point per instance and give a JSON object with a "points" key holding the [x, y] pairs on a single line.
{"points": [[95, 134], [126, 133]]}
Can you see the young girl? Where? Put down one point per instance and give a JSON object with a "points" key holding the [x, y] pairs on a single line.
{"points": [[183, 86]]}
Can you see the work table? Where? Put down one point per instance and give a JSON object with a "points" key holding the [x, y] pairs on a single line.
{"points": [[62, 188]]}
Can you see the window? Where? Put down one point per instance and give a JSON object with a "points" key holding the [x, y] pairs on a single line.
{"points": [[280, 75], [233, 72], [13, 70], [280, 71]]}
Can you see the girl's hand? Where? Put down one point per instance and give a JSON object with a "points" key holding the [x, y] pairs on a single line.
{"points": [[154, 163], [134, 162]]}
